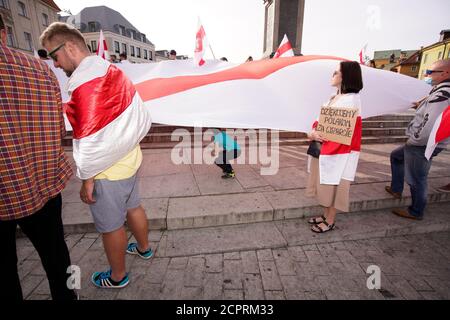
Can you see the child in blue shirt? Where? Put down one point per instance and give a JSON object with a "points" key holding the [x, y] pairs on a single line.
{"points": [[231, 150]]}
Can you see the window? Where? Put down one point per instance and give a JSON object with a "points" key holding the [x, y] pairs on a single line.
{"points": [[9, 37], [145, 54], [122, 30], [132, 51], [124, 48], [116, 47], [91, 26], [45, 20], [22, 9], [4, 4], [425, 58], [150, 55], [28, 41], [143, 38], [414, 68], [138, 52], [448, 54], [439, 55], [94, 45]]}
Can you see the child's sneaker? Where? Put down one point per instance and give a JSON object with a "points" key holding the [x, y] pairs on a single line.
{"points": [[229, 175], [133, 249], [104, 280]]}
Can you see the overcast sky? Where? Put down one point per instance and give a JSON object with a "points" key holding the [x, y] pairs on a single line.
{"points": [[235, 28]]}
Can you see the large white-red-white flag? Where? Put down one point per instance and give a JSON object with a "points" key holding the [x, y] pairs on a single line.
{"points": [[102, 48], [280, 94], [201, 43], [285, 49], [440, 132]]}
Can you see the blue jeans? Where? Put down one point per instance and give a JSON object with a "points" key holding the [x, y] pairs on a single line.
{"points": [[409, 162]]}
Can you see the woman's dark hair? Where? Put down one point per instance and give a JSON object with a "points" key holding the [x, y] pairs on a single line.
{"points": [[351, 77]]}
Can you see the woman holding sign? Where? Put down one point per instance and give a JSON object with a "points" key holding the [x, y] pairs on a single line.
{"points": [[333, 167]]}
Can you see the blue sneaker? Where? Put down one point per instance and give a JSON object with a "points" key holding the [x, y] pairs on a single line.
{"points": [[133, 249], [104, 280]]}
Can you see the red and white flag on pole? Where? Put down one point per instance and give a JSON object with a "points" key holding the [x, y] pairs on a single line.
{"points": [[440, 132], [362, 55], [285, 49], [201, 43], [102, 48]]}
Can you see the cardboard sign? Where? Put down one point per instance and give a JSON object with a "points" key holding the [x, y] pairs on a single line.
{"points": [[337, 124]]}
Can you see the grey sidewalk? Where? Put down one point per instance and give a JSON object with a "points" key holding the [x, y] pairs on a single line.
{"points": [[272, 260], [190, 196]]}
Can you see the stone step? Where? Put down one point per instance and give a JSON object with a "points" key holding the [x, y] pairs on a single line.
{"points": [[240, 208], [385, 124], [285, 142], [156, 141], [393, 117], [377, 132]]}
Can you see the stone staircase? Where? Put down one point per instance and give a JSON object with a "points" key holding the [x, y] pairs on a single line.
{"points": [[379, 129]]}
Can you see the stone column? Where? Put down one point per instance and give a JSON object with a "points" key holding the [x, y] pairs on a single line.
{"points": [[283, 17]]}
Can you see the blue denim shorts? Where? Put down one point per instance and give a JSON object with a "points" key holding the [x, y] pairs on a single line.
{"points": [[112, 200]]}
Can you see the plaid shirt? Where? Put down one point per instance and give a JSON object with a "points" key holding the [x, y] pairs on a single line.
{"points": [[33, 166]]}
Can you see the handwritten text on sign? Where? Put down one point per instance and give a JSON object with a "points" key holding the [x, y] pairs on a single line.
{"points": [[337, 124]]}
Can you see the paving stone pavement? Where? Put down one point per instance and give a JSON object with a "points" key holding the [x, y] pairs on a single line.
{"points": [[267, 260]]}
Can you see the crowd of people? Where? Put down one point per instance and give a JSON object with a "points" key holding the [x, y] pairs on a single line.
{"points": [[35, 168]]}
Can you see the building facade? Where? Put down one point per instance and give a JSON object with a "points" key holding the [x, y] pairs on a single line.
{"points": [[409, 66], [120, 35], [437, 51], [283, 17], [25, 21], [388, 59]]}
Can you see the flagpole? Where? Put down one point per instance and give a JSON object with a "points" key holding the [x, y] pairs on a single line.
{"points": [[210, 48]]}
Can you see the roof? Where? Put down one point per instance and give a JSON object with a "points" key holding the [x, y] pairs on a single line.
{"points": [[106, 19], [52, 4], [386, 54], [435, 44]]}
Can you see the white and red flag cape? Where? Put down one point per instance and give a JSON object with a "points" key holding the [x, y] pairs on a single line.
{"points": [[440, 132], [107, 115], [201, 43], [102, 48], [285, 49]]}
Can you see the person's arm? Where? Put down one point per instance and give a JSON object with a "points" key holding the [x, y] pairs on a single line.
{"points": [[416, 104], [87, 190]]}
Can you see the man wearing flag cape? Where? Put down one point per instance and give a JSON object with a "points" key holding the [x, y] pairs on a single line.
{"points": [[411, 160], [109, 120]]}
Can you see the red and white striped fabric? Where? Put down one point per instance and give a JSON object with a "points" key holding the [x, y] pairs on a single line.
{"points": [[285, 49], [338, 161], [281, 94], [102, 48], [107, 115], [201, 43], [440, 132]]}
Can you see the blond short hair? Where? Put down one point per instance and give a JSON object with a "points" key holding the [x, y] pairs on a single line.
{"points": [[63, 32]]}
